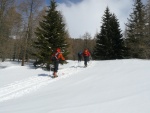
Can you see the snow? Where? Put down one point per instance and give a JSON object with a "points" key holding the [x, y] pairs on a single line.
{"points": [[112, 86]]}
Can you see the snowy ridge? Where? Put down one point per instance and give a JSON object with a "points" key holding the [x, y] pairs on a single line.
{"points": [[22, 87]]}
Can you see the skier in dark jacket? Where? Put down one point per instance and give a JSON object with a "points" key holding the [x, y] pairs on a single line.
{"points": [[79, 56]]}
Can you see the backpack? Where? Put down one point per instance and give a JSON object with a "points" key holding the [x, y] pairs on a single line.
{"points": [[55, 56]]}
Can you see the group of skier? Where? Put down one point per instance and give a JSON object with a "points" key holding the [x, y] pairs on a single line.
{"points": [[57, 56]]}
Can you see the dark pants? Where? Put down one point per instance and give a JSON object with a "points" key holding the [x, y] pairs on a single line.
{"points": [[86, 58], [56, 64], [79, 58]]}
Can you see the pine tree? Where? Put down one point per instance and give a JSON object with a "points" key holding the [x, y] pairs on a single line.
{"points": [[50, 35], [135, 31], [147, 10], [147, 30], [119, 50], [101, 50], [109, 43]]}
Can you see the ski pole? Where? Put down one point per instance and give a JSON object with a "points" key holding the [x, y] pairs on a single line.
{"points": [[50, 70]]}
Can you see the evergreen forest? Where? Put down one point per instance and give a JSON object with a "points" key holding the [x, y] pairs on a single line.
{"points": [[29, 32]]}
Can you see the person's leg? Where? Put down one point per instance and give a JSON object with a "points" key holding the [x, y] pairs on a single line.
{"points": [[80, 58], [85, 61], [56, 63]]}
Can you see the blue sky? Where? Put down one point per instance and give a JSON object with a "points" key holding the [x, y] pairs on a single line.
{"points": [[85, 16]]}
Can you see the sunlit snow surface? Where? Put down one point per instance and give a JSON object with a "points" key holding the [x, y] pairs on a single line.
{"points": [[113, 86]]}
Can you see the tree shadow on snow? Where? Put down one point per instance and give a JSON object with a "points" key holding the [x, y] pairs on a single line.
{"points": [[43, 75], [77, 66], [2, 67], [46, 75]]}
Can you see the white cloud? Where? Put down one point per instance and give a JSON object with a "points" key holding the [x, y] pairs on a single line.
{"points": [[86, 16]]}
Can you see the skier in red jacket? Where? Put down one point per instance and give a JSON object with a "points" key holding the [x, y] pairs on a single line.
{"points": [[86, 54], [56, 57]]}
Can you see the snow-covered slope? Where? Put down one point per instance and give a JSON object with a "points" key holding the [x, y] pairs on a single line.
{"points": [[115, 86]]}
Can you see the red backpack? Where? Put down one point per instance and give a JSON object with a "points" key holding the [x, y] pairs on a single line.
{"points": [[86, 53]]}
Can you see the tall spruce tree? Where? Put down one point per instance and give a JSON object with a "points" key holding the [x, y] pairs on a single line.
{"points": [[109, 42], [147, 30], [135, 31], [119, 50], [101, 50], [147, 10], [50, 35]]}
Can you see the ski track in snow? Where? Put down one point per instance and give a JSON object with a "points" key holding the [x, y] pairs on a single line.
{"points": [[22, 87]]}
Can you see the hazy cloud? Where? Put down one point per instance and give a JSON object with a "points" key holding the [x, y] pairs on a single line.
{"points": [[86, 16]]}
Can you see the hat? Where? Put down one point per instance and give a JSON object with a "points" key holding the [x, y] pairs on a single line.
{"points": [[58, 50]]}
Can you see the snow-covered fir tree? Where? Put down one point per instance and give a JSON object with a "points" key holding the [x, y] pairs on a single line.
{"points": [[51, 34]]}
